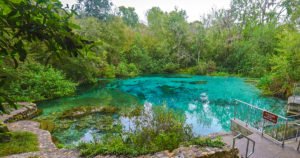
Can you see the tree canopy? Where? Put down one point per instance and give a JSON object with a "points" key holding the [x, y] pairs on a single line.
{"points": [[258, 38]]}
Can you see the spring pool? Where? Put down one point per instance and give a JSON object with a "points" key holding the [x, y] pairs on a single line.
{"points": [[207, 102]]}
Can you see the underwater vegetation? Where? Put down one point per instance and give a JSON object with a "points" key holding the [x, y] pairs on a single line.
{"points": [[114, 105]]}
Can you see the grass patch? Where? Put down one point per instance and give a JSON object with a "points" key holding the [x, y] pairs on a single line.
{"points": [[21, 142]]}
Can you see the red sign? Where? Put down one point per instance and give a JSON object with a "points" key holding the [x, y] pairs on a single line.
{"points": [[270, 117]]}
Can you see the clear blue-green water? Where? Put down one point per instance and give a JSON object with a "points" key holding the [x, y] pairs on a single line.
{"points": [[179, 92]]}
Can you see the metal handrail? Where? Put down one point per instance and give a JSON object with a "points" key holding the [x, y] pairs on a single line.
{"points": [[298, 146], [248, 140], [293, 116], [256, 107], [297, 133], [262, 132]]}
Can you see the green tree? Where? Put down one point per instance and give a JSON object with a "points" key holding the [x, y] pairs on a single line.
{"points": [[100, 9], [285, 64], [129, 16], [24, 22]]}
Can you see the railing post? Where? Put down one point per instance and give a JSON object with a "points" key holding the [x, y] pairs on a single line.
{"points": [[247, 148], [253, 147], [298, 146], [248, 116], [233, 143], [263, 127], [297, 134], [284, 136], [235, 106]]}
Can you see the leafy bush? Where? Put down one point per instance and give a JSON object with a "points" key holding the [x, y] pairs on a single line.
{"points": [[220, 74], [275, 85], [109, 71], [127, 70], [202, 68], [206, 141], [171, 67], [161, 130], [36, 82]]}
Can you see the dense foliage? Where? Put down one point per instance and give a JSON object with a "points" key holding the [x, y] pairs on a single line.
{"points": [[36, 82], [37, 28], [254, 39]]}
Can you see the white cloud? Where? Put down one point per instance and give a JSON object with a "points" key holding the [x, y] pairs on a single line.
{"points": [[193, 8]]}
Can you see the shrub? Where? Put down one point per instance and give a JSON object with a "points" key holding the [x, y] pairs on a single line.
{"points": [[127, 70], [206, 142], [171, 67], [161, 129], [202, 68], [109, 71], [35, 82], [275, 85]]}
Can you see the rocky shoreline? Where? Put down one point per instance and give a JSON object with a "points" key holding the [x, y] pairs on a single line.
{"points": [[26, 111], [49, 150]]}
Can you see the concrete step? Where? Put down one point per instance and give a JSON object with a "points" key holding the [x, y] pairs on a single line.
{"points": [[264, 148]]}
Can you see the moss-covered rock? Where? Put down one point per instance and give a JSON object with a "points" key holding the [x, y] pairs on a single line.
{"points": [[25, 111], [86, 110], [3, 128], [47, 125]]}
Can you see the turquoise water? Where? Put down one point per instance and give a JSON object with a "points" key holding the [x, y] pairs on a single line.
{"points": [[208, 115]]}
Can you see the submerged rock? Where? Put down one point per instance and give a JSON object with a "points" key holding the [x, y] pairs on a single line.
{"points": [[86, 110], [198, 82], [166, 89]]}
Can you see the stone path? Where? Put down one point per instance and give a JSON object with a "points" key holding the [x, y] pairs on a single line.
{"points": [[47, 147]]}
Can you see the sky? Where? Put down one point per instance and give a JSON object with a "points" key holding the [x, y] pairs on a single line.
{"points": [[194, 8]]}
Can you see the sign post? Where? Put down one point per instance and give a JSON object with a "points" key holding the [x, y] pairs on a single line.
{"points": [[270, 117]]}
